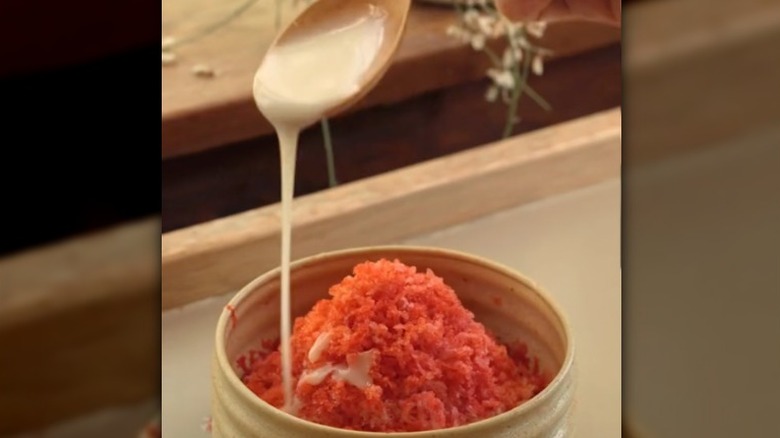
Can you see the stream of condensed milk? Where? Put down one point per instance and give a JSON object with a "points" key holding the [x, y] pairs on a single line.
{"points": [[296, 84]]}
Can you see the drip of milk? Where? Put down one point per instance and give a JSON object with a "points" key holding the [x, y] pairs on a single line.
{"points": [[320, 344], [356, 373], [296, 84]]}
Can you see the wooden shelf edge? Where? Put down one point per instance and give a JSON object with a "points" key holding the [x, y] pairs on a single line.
{"points": [[79, 325], [673, 74], [222, 255], [694, 28], [79, 272]]}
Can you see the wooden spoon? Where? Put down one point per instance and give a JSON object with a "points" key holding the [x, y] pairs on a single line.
{"points": [[321, 14]]}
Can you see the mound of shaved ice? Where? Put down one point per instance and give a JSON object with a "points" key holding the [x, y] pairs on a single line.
{"points": [[429, 364]]}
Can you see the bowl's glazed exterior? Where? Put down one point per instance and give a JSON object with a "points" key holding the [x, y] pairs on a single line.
{"points": [[507, 303]]}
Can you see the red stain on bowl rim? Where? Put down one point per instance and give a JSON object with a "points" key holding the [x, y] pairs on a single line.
{"points": [[152, 430], [233, 318], [207, 424]]}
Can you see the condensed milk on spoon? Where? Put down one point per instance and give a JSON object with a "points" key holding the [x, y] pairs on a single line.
{"points": [[299, 81]]}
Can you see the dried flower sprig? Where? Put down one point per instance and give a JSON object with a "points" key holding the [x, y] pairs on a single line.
{"points": [[479, 21]]}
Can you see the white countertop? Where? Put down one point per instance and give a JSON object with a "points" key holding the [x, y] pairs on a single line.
{"points": [[569, 244]]}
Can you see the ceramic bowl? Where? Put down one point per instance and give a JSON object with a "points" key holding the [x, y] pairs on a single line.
{"points": [[506, 302]]}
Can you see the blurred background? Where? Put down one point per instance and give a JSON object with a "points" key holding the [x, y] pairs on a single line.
{"points": [[82, 189], [701, 242], [79, 263]]}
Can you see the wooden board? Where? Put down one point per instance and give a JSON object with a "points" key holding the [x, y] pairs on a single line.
{"points": [[222, 255], [198, 114]]}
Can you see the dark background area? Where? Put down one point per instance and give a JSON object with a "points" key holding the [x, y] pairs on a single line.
{"points": [[80, 132]]}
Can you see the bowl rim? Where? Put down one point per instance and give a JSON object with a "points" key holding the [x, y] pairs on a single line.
{"points": [[249, 397]]}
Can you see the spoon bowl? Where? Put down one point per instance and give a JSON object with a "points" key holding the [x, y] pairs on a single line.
{"points": [[323, 15]]}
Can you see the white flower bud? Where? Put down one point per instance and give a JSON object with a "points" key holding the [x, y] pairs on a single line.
{"points": [[168, 58], [471, 18], [492, 93], [537, 65], [507, 60], [203, 71], [486, 24], [502, 78], [536, 28], [168, 42], [478, 41], [518, 53]]}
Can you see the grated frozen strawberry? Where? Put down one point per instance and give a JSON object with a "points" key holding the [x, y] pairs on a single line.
{"points": [[432, 365]]}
